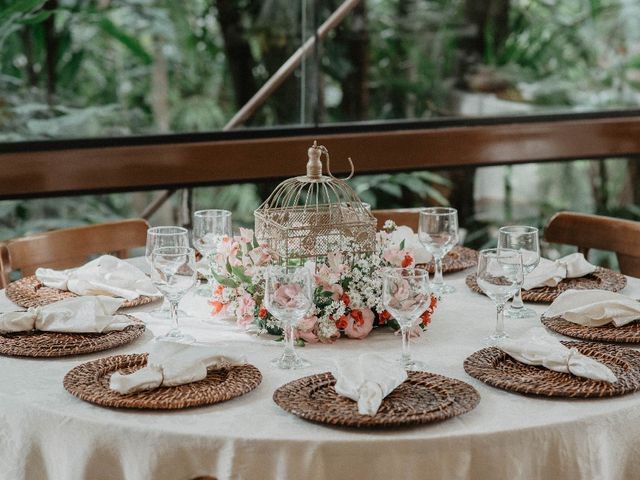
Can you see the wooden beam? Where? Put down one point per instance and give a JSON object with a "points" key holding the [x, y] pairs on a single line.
{"points": [[69, 171]]}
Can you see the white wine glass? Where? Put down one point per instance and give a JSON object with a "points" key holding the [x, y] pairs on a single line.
{"points": [[438, 232], [499, 276], [173, 272], [406, 295], [288, 296], [210, 227], [525, 239]]}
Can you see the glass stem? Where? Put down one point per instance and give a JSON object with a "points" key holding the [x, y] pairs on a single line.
{"points": [[499, 320], [289, 336], [406, 353], [173, 309], [437, 276], [517, 300]]}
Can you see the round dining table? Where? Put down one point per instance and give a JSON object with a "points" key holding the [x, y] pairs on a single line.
{"points": [[47, 433]]}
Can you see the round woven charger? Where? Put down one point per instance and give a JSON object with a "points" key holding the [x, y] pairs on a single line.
{"points": [[600, 279], [498, 369], [90, 382], [422, 398], [30, 292], [629, 333], [54, 344], [459, 258]]}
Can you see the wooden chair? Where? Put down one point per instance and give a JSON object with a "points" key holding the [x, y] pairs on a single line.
{"points": [[596, 231], [401, 216], [69, 247]]}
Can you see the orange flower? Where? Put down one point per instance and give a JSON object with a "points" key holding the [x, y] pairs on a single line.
{"points": [[217, 306], [357, 317], [383, 317], [345, 299], [218, 290], [426, 318], [262, 313], [406, 261], [434, 303], [342, 322]]}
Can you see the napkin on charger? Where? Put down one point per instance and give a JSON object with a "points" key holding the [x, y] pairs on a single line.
{"points": [[106, 275], [170, 364], [411, 243], [537, 347], [95, 314], [594, 308], [549, 273], [367, 380]]}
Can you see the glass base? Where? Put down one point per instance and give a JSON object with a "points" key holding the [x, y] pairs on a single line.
{"points": [[442, 288], [413, 365], [289, 361], [177, 336], [493, 339], [522, 312]]}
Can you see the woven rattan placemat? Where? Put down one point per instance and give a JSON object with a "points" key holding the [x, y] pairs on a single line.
{"points": [[422, 398], [459, 258], [90, 382], [498, 369], [601, 279], [629, 333], [30, 292]]}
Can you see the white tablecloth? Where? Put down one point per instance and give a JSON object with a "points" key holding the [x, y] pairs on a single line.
{"points": [[46, 433]]}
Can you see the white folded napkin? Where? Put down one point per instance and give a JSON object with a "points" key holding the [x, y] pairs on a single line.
{"points": [[78, 315], [411, 243], [106, 275], [594, 308], [170, 364], [537, 347], [367, 380], [549, 273]]}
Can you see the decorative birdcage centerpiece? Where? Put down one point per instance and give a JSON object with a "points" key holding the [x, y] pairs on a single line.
{"points": [[310, 216]]}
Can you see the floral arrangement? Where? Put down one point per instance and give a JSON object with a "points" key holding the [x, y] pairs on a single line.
{"points": [[347, 290]]}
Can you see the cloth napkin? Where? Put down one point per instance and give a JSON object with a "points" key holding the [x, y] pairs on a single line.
{"points": [[549, 273], [594, 308], [411, 243], [367, 380], [106, 275], [78, 314], [170, 364], [537, 347]]}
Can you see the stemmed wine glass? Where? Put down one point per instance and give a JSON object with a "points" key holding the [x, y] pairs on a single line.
{"points": [[164, 236], [173, 272], [288, 294], [499, 276], [524, 239], [209, 229], [438, 232], [406, 295]]}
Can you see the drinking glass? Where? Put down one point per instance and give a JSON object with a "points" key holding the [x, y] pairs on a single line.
{"points": [[209, 229], [173, 272], [406, 295], [165, 236], [524, 239], [288, 295], [438, 232], [499, 276]]}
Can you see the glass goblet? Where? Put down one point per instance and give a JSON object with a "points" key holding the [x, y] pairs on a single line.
{"points": [[406, 295], [288, 295], [173, 272], [209, 229], [438, 232], [499, 276], [524, 239]]}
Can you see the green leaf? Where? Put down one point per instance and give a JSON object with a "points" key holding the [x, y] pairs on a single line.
{"points": [[37, 17], [239, 272], [226, 281], [390, 188], [402, 245], [127, 40], [20, 7]]}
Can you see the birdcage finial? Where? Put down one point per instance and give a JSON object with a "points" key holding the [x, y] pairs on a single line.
{"points": [[314, 165]]}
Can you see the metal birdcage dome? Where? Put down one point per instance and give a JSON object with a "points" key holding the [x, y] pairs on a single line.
{"points": [[309, 216]]}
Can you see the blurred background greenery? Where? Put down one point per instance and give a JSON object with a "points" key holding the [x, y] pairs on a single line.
{"points": [[113, 68]]}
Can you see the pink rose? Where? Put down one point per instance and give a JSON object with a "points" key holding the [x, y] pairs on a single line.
{"points": [[360, 323], [245, 310], [260, 255], [288, 295], [306, 329], [393, 256]]}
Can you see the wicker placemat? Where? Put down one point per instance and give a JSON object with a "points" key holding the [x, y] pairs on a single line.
{"points": [[30, 292], [629, 333], [53, 344], [90, 382], [600, 279], [422, 398], [459, 258], [498, 369]]}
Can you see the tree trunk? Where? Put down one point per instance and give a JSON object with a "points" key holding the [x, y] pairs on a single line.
{"points": [[160, 88], [51, 58]]}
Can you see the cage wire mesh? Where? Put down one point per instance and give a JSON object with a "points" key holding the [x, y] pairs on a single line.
{"points": [[307, 217]]}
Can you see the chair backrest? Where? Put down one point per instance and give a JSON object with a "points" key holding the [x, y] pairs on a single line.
{"points": [[70, 247], [401, 216], [596, 231]]}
